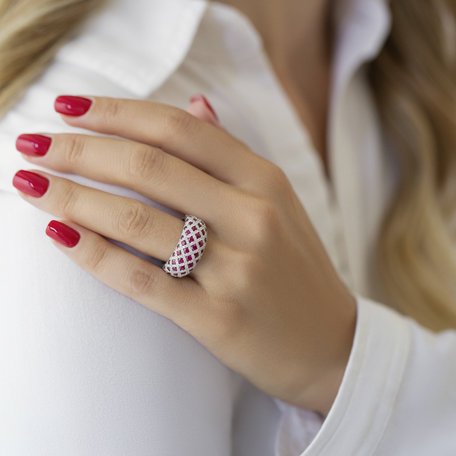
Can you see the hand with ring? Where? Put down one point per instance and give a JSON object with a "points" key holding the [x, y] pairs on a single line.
{"points": [[245, 273]]}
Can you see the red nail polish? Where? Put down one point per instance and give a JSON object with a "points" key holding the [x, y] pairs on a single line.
{"points": [[206, 102], [31, 183], [62, 233], [72, 106], [34, 145]]}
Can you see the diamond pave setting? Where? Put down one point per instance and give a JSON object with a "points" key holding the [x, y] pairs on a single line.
{"points": [[189, 249]]}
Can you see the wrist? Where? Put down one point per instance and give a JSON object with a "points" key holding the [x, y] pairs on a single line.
{"points": [[319, 395]]}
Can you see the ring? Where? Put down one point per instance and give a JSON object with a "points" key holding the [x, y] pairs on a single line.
{"points": [[189, 249]]}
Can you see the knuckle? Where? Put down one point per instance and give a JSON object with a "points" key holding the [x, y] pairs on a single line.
{"points": [[177, 121], [141, 282], [247, 271], [111, 109], [95, 260], [263, 222], [146, 163], [134, 220], [73, 149], [69, 200], [276, 178], [243, 273]]}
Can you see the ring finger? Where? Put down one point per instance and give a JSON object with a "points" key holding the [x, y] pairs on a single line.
{"points": [[127, 220]]}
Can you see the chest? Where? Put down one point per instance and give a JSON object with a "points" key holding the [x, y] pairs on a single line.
{"points": [[312, 109]]}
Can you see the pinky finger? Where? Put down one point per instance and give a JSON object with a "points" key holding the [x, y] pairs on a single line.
{"points": [[128, 274]]}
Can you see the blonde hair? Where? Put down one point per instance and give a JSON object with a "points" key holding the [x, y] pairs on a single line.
{"points": [[31, 31], [414, 81]]}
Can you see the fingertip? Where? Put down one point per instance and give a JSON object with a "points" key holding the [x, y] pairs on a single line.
{"points": [[63, 234], [72, 106], [35, 145], [203, 99], [203, 110]]}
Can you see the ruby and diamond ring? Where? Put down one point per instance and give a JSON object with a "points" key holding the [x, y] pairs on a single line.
{"points": [[189, 249]]}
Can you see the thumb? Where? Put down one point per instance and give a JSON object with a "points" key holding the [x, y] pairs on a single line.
{"points": [[202, 109]]}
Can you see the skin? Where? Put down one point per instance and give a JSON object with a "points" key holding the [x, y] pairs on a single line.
{"points": [[297, 37], [269, 304]]}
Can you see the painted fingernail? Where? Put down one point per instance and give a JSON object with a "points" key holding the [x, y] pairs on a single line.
{"points": [[62, 233], [31, 183], [206, 102], [34, 145], [72, 106]]}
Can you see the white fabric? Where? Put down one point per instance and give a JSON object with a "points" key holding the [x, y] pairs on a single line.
{"points": [[86, 371]]}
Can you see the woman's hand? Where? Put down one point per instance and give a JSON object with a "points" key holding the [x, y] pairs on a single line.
{"points": [[265, 298]]}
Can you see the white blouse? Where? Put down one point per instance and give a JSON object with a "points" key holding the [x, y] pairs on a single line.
{"points": [[86, 371]]}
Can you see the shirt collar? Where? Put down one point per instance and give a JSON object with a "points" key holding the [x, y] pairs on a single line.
{"points": [[361, 29], [357, 159], [164, 31], [136, 44]]}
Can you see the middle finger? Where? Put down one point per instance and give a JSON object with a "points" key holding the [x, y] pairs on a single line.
{"points": [[159, 176]]}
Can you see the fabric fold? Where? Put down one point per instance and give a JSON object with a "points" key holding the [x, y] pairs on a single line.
{"points": [[367, 395]]}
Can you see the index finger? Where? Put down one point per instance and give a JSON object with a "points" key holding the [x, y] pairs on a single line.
{"points": [[174, 130]]}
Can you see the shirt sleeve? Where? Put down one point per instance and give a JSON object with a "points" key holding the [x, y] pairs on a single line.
{"points": [[397, 396]]}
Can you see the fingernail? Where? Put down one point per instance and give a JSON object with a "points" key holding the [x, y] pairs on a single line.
{"points": [[62, 233], [72, 106], [206, 102], [31, 183], [34, 145]]}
